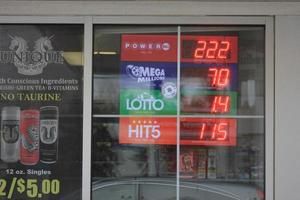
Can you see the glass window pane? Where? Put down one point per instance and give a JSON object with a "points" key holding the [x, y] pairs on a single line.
{"points": [[220, 114], [115, 191], [135, 83], [222, 70], [222, 100], [163, 189], [131, 65]]}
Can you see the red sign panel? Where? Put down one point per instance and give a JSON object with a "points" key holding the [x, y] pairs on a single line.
{"points": [[154, 48], [147, 130], [208, 132], [209, 49], [193, 131]]}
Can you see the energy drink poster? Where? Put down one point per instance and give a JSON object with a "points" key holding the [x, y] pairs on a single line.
{"points": [[41, 71]]}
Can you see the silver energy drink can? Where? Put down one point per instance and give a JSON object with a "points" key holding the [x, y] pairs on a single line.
{"points": [[49, 134], [10, 134]]}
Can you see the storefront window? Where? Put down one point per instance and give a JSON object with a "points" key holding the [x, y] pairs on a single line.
{"points": [[178, 111]]}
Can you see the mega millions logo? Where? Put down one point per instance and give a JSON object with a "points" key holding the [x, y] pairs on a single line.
{"points": [[145, 74], [31, 62]]}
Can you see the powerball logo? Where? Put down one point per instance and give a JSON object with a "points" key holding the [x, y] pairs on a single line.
{"points": [[161, 48], [164, 46]]}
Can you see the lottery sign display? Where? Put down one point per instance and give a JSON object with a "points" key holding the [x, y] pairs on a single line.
{"points": [[208, 85], [148, 75], [208, 132], [147, 130], [209, 49], [209, 63]]}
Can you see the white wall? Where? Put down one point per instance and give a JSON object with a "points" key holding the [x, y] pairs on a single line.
{"points": [[287, 107], [147, 8]]}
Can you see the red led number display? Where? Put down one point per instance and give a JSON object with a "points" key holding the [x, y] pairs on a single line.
{"points": [[207, 78], [212, 104], [212, 49], [219, 77], [209, 49], [202, 131], [221, 104], [219, 131]]}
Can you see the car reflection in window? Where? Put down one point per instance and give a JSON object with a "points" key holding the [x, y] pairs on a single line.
{"points": [[165, 189]]}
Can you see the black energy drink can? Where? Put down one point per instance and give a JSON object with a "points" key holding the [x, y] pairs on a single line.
{"points": [[49, 134]]}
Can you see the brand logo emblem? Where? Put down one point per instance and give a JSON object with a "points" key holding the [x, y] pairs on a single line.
{"points": [[169, 90], [31, 143], [48, 131], [31, 62], [164, 46], [144, 130], [144, 101], [145, 74], [147, 130], [10, 131]]}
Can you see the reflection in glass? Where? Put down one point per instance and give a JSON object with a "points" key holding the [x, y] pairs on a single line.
{"points": [[134, 63], [111, 159], [238, 167], [221, 113], [224, 155]]}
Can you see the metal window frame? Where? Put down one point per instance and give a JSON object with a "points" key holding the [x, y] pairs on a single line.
{"points": [[89, 21]]}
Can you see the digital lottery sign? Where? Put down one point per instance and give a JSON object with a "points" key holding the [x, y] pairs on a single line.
{"points": [[209, 49], [209, 132], [208, 63], [149, 88]]}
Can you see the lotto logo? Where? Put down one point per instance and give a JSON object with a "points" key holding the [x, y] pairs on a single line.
{"points": [[147, 130], [144, 101]]}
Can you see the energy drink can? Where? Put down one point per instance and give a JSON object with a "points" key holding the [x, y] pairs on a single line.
{"points": [[10, 135], [29, 129], [49, 134]]}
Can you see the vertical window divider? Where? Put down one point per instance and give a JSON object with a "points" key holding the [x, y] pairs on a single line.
{"points": [[269, 109], [87, 108], [178, 117]]}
